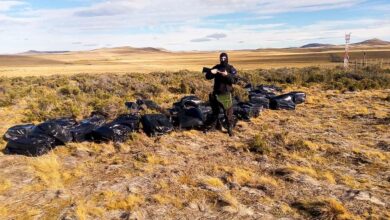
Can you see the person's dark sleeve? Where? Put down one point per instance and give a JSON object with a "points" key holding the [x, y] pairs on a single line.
{"points": [[209, 75], [232, 77]]}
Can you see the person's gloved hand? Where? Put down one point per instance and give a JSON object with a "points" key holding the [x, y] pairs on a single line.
{"points": [[224, 73], [214, 71]]}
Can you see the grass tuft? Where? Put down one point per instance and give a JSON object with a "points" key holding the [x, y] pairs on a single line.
{"points": [[213, 182], [48, 170], [328, 208], [259, 145], [128, 203], [5, 185]]}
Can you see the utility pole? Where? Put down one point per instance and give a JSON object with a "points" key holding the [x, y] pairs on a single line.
{"points": [[346, 55], [364, 59]]}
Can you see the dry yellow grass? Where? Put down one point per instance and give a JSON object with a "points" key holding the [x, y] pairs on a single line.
{"points": [[166, 199], [48, 170], [213, 182], [128, 203], [5, 185], [126, 59], [340, 144], [326, 208]]}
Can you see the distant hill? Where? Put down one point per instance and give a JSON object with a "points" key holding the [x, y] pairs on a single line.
{"points": [[313, 45], [135, 50], [32, 52], [372, 42], [127, 49], [153, 49]]}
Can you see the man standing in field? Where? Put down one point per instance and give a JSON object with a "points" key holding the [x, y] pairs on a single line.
{"points": [[224, 75]]}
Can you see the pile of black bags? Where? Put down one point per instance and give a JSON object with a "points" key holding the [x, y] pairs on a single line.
{"points": [[118, 130], [156, 124], [269, 97], [37, 140], [188, 113]]}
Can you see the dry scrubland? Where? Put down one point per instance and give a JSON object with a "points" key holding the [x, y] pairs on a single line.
{"points": [[145, 60], [329, 159]]}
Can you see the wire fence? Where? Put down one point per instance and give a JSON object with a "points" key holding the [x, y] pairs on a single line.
{"points": [[358, 63]]}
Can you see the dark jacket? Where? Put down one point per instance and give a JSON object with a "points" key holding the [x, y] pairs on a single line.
{"points": [[223, 84]]}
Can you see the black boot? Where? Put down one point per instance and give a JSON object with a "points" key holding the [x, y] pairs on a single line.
{"points": [[230, 131]]}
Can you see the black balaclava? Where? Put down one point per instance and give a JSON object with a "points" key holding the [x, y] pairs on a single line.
{"points": [[224, 59]]}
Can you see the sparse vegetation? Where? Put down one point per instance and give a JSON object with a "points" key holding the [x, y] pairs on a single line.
{"points": [[259, 145], [335, 58], [47, 169], [337, 78], [78, 95], [212, 182], [328, 208], [280, 165]]}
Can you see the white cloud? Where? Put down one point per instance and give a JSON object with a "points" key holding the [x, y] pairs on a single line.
{"points": [[110, 8], [10, 21], [176, 25], [140, 13], [7, 5]]}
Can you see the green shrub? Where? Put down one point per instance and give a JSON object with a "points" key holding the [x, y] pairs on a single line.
{"points": [[259, 145], [78, 95], [69, 90]]}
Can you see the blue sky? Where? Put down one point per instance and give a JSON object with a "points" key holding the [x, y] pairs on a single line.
{"points": [[187, 25]]}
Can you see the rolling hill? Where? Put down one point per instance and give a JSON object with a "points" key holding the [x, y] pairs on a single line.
{"points": [[145, 60], [372, 42], [368, 43], [316, 45]]}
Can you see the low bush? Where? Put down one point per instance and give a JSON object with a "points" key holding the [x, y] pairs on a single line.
{"points": [[78, 95]]}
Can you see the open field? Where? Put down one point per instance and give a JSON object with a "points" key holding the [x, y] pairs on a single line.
{"points": [[127, 60], [328, 159]]}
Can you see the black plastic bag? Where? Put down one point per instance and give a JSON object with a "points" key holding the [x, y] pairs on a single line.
{"points": [[246, 111], [59, 129], [118, 130], [130, 120], [18, 131], [133, 107], [112, 132], [206, 111], [191, 101], [83, 131], [182, 115], [148, 104], [32, 145], [269, 88], [191, 117], [261, 93], [260, 101], [174, 114], [156, 124], [187, 101], [298, 97], [282, 102]]}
